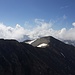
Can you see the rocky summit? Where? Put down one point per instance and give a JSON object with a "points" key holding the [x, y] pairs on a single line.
{"points": [[20, 58]]}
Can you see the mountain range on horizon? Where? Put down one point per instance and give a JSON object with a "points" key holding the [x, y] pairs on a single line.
{"points": [[43, 56]]}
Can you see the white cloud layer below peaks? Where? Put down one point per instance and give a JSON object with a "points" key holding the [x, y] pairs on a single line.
{"points": [[41, 29]]}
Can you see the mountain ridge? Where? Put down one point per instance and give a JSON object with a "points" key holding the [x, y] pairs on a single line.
{"points": [[19, 58], [46, 40]]}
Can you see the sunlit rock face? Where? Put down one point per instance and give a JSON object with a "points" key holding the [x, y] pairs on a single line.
{"points": [[20, 58], [40, 42]]}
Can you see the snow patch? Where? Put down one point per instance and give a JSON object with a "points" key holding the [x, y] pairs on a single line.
{"points": [[30, 42], [42, 45]]}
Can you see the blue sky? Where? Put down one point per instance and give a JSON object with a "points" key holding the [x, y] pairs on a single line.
{"points": [[62, 12]]}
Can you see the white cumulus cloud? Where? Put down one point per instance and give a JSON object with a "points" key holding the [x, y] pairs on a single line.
{"points": [[41, 29], [8, 32], [73, 24]]}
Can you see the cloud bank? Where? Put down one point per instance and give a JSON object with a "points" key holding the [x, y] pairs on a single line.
{"points": [[41, 29]]}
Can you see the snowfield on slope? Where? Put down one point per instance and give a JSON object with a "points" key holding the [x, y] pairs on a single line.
{"points": [[42, 45]]}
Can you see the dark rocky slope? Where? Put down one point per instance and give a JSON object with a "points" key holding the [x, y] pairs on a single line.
{"points": [[17, 58]]}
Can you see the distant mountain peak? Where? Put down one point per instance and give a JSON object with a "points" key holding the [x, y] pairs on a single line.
{"points": [[43, 41]]}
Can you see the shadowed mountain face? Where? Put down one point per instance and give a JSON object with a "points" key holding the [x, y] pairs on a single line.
{"points": [[17, 58]]}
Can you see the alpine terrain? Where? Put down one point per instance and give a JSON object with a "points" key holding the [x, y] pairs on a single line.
{"points": [[43, 56]]}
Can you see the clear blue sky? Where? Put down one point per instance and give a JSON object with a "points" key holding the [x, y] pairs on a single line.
{"points": [[19, 11]]}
